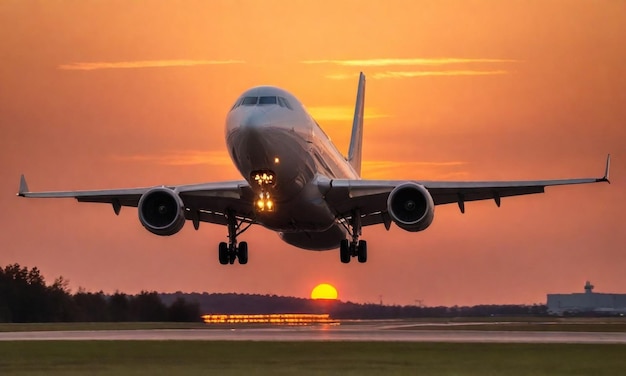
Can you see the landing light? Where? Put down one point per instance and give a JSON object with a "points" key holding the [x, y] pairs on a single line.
{"points": [[263, 177], [265, 203]]}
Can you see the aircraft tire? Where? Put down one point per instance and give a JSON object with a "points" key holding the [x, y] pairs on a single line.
{"points": [[223, 253], [362, 251], [242, 253], [344, 251]]}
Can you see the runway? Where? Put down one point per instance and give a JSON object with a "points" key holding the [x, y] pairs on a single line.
{"points": [[363, 333]]}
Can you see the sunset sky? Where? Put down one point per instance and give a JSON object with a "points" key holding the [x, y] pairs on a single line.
{"points": [[116, 94]]}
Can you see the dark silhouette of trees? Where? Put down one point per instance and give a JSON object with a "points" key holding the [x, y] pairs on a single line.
{"points": [[182, 311], [119, 307], [25, 297], [147, 307], [268, 304]]}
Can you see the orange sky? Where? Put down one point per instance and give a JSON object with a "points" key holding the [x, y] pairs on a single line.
{"points": [[120, 94]]}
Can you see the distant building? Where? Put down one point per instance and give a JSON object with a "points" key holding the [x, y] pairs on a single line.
{"points": [[588, 302]]}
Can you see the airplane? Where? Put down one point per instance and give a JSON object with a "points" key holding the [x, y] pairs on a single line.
{"points": [[296, 183]]}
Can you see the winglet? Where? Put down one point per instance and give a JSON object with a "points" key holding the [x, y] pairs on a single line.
{"points": [[606, 171], [23, 186]]}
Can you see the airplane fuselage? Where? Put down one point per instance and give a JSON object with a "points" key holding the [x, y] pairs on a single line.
{"points": [[268, 131]]}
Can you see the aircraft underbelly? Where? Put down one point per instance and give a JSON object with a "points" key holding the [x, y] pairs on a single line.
{"points": [[315, 241], [307, 211]]}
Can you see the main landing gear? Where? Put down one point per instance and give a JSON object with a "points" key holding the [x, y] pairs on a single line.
{"points": [[355, 248], [231, 251]]}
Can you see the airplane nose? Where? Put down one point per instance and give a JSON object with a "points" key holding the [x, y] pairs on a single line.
{"points": [[253, 122]]}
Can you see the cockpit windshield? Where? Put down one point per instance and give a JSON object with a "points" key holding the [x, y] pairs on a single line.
{"points": [[249, 101], [267, 100], [262, 101]]}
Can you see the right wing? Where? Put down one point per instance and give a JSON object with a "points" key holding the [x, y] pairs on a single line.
{"points": [[369, 197], [205, 202]]}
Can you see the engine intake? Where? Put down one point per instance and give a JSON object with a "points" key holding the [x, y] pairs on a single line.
{"points": [[161, 211], [411, 207]]}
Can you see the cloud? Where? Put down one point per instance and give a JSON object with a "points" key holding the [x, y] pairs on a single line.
{"points": [[429, 170], [327, 113], [427, 62], [393, 164], [410, 74], [407, 62], [181, 158], [144, 64]]}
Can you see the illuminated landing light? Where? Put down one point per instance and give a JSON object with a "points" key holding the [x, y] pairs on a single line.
{"points": [[264, 177], [265, 203], [276, 160]]}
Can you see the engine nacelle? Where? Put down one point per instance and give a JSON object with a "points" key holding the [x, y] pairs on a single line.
{"points": [[161, 211], [411, 207]]}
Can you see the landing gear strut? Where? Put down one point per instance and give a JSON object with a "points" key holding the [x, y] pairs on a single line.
{"points": [[231, 251], [354, 248]]}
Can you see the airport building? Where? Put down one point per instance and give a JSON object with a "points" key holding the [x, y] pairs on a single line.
{"points": [[588, 302]]}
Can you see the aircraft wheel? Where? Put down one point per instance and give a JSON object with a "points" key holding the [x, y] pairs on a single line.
{"points": [[344, 251], [242, 253], [232, 254], [223, 253], [362, 251]]}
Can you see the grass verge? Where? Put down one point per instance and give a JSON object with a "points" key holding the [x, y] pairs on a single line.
{"points": [[306, 358]]}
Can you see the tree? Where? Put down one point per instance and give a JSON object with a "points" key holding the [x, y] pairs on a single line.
{"points": [[182, 311]]}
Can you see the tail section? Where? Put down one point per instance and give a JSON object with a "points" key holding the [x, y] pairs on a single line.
{"points": [[356, 140]]}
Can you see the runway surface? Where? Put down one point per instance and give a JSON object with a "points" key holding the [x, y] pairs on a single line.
{"points": [[321, 333]]}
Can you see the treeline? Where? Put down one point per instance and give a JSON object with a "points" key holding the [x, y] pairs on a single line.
{"points": [[25, 297], [268, 304]]}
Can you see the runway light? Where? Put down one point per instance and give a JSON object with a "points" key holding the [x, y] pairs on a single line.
{"points": [[273, 319]]}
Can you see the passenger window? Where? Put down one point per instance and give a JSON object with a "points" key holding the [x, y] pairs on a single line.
{"points": [[267, 100], [249, 101]]}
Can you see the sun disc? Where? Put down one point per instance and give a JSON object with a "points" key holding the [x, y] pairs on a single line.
{"points": [[324, 291]]}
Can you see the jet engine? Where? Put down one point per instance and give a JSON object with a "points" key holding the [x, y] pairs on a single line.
{"points": [[161, 211], [411, 207]]}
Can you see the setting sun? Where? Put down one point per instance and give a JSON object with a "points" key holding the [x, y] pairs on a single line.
{"points": [[324, 291]]}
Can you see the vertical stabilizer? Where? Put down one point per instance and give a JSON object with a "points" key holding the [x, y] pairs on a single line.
{"points": [[356, 140]]}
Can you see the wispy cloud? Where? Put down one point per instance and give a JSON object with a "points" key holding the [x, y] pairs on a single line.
{"points": [[143, 64], [392, 164], [409, 74], [413, 170], [327, 113], [180, 158], [435, 63], [407, 62]]}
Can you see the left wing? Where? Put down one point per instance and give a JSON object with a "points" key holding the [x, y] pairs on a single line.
{"points": [[369, 197], [206, 202]]}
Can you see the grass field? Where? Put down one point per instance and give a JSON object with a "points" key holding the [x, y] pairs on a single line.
{"points": [[306, 358]]}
